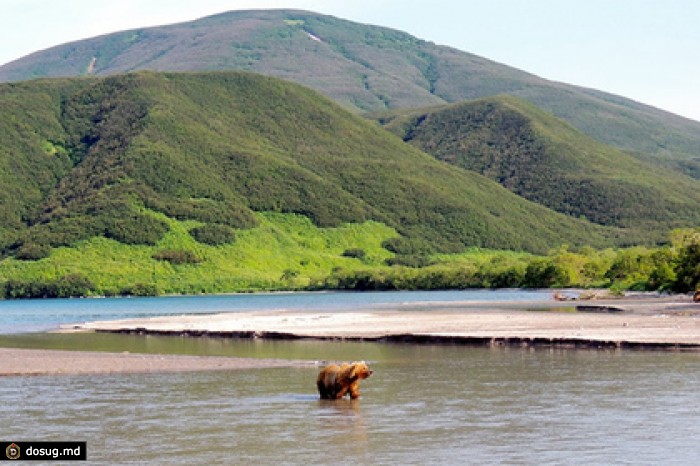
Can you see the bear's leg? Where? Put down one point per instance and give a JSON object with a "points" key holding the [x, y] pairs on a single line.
{"points": [[322, 390], [326, 384], [355, 391], [341, 391]]}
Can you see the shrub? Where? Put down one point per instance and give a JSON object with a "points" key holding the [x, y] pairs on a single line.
{"points": [[140, 289], [136, 229], [213, 234], [502, 277], [69, 286], [355, 253], [688, 269], [540, 273], [176, 256], [412, 261], [73, 285], [203, 210], [404, 246], [33, 252]]}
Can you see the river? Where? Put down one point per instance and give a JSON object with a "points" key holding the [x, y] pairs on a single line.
{"points": [[425, 404]]}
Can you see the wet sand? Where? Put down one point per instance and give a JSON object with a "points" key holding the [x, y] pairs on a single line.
{"points": [[15, 362]]}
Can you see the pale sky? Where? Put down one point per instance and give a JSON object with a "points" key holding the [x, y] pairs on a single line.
{"points": [[647, 50]]}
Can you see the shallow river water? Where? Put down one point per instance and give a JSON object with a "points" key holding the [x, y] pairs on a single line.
{"points": [[423, 405]]}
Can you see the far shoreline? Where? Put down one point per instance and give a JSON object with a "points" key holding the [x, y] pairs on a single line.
{"points": [[581, 293]]}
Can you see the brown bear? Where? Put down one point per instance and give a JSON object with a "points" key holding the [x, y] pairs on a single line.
{"points": [[335, 381]]}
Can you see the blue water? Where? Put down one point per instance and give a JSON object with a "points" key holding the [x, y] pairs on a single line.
{"points": [[43, 315]]}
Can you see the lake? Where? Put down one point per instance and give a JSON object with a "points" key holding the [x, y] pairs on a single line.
{"points": [[425, 404]]}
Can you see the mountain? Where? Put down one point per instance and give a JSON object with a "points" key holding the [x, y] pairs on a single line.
{"points": [[547, 161], [365, 68], [108, 157]]}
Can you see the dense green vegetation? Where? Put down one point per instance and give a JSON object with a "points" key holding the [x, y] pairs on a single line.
{"points": [[547, 161], [366, 68], [288, 252], [154, 183], [285, 251], [673, 268], [213, 234], [217, 147]]}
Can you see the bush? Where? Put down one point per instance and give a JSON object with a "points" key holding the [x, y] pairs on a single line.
{"points": [[203, 210], [688, 269], [355, 253], [213, 234], [540, 273], [69, 286], [33, 252], [176, 256], [412, 261], [136, 229], [73, 285], [502, 277], [406, 246], [140, 289]]}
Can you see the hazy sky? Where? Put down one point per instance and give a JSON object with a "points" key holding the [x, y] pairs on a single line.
{"points": [[648, 50]]}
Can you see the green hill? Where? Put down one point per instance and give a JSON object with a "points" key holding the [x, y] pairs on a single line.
{"points": [[106, 157], [547, 161], [365, 68]]}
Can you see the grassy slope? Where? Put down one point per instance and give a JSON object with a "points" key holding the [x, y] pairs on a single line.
{"points": [[367, 68], [547, 161], [284, 251]]}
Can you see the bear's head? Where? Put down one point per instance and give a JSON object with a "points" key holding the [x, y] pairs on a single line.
{"points": [[360, 370]]}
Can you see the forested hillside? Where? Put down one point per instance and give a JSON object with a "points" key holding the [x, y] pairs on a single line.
{"points": [[99, 156], [545, 160]]}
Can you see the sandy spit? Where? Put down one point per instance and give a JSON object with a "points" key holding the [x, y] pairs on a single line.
{"points": [[621, 323], [15, 362]]}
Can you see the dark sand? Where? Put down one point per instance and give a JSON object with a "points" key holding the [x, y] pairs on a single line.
{"points": [[54, 362]]}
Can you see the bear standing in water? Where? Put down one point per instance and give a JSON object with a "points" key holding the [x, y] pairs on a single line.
{"points": [[335, 381]]}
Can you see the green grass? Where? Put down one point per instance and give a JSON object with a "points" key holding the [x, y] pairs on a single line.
{"points": [[288, 252], [283, 245]]}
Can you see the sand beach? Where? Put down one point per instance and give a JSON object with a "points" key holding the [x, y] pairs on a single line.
{"points": [[670, 322]]}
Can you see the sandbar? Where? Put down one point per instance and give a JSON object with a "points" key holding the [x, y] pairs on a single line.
{"points": [[626, 323], [17, 362]]}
